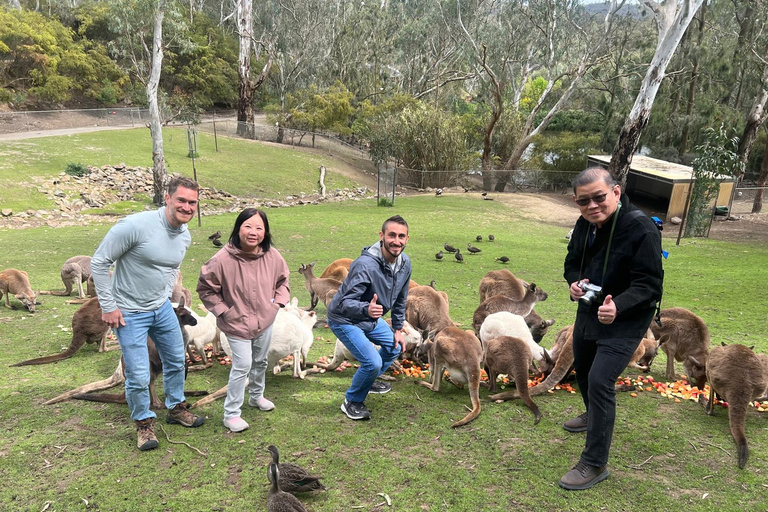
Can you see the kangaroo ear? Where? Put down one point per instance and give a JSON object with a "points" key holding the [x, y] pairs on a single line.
{"points": [[532, 287], [181, 301], [695, 362], [550, 322], [546, 357]]}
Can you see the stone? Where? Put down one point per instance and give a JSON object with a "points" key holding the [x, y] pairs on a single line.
{"points": [[6, 212], [676, 220]]}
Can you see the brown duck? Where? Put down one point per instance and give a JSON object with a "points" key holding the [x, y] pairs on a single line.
{"points": [[277, 500], [294, 478]]}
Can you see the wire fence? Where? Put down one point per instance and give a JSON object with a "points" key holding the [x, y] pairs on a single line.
{"points": [[33, 120], [744, 200]]}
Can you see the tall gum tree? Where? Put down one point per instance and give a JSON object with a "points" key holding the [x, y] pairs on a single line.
{"points": [[246, 84], [672, 20]]}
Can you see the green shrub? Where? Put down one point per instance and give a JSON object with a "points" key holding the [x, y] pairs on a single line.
{"points": [[76, 169]]}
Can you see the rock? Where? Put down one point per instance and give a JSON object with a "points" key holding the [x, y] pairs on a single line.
{"points": [[676, 221], [6, 212]]}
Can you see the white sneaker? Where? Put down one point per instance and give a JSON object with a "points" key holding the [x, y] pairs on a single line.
{"points": [[262, 403], [237, 424]]}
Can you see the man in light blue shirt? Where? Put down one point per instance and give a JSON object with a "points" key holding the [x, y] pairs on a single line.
{"points": [[146, 250]]}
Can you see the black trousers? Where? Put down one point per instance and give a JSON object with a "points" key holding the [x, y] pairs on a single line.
{"points": [[598, 364]]}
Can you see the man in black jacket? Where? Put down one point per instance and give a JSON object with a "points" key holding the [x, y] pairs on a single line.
{"points": [[616, 249]]}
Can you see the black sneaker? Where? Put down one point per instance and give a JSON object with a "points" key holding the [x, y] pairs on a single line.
{"points": [[380, 388], [355, 410]]}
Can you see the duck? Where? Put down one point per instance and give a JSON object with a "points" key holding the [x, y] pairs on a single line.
{"points": [[491, 238], [439, 255], [449, 248], [433, 284], [459, 256], [216, 242], [479, 238], [502, 259], [473, 250], [294, 478], [278, 500], [215, 236]]}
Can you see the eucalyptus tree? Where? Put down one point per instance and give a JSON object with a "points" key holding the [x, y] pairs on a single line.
{"points": [[246, 84], [145, 28], [672, 19]]}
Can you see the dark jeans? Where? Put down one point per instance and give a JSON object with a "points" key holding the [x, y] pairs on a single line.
{"points": [[598, 364]]}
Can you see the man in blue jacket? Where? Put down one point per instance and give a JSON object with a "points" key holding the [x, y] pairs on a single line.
{"points": [[377, 283]]}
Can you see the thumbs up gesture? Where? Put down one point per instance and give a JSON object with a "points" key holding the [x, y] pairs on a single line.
{"points": [[606, 313], [375, 310]]}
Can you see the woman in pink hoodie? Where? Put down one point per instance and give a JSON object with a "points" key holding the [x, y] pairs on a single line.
{"points": [[244, 285]]}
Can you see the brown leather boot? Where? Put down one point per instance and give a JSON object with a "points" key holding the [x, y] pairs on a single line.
{"points": [[583, 476], [145, 432], [577, 424], [181, 415]]}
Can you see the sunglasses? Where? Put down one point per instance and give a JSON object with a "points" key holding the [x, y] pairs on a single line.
{"points": [[599, 198]]}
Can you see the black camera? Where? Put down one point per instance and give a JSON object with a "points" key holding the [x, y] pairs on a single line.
{"points": [[592, 293]]}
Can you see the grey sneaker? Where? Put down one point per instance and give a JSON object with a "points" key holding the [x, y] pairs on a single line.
{"points": [[180, 415], [583, 476], [577, 424], [355, 410], [379, 388], [145, 433]]}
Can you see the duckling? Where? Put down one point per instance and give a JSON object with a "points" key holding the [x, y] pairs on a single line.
{"points": [[449, 248], [459, 256], [439, 255], [473, 250], [479, 238], [277, 500], [502, 259], [294, 478]]}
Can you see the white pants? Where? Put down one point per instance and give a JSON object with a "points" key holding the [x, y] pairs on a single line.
{"points": [[249, 362]]}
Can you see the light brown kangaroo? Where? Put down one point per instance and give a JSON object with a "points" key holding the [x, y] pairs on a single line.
{"points": [[87, 327], [75, 271], [511, 356], [461, 354], [16, 282], [337, 270], [118, 377], [501, 282], [736, 374]]}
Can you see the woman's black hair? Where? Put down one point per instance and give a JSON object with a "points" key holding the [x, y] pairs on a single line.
{"points": [[244, 216]]}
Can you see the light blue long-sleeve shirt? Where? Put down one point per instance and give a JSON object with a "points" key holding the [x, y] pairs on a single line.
{"points": [[147, 252]]}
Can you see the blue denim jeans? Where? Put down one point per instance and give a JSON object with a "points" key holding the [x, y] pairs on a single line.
{"points": [[598, 363], [163, 326], [373, 361]]}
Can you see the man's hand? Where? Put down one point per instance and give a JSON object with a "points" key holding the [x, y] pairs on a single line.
{"points": [[577, 292], [606, 313], [114, 318], [375, 310], [399, 340]]}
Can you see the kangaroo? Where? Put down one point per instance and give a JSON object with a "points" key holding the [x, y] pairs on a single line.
{"points": [[684, 337], [179, 291], [427, 309], [16, 282], [562, 355], [496, 303], [337, 270], [87, 327], [461, 353], [318, 288], [502, 282], [736, 374], [511, 356], [85, 392], [538, 325], [75, 271]]}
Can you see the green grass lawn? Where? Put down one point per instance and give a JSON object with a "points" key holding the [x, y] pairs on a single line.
{"points": [[241, 167], [666, 456]]}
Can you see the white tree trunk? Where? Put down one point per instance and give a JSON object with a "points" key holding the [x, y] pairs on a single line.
{"points": [[245, 87], [672, 20], [755, 119], [155, 123]]}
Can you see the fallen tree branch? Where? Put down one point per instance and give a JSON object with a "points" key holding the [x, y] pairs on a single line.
{"points": [[181, 442]]}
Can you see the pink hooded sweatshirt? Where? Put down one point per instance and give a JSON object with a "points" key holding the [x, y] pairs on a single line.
{"points": [[244, 290]]}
